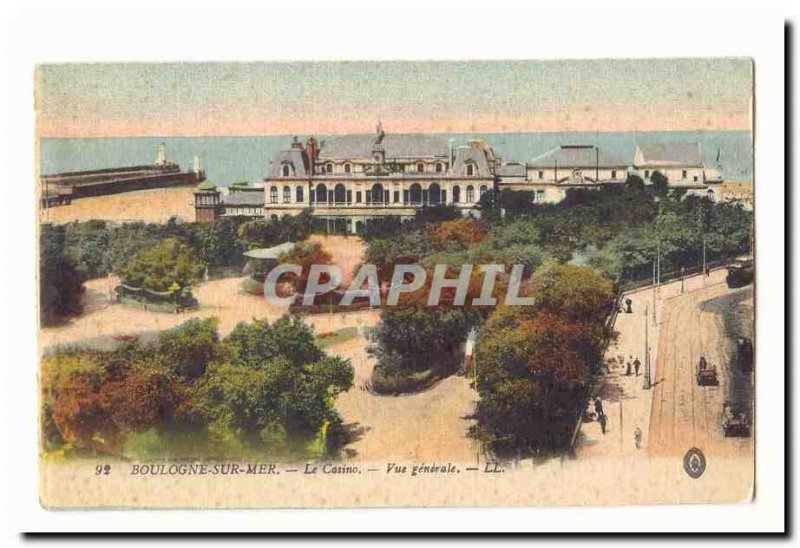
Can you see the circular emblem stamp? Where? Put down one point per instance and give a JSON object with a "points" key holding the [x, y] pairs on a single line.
{"points": [[694, 462]]}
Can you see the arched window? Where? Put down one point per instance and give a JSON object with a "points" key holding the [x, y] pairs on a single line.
{"points": [[420, 168], [470, 169], [470, 194], [298, 194], [377, 193], [483, 189], [274, 217], [339, 194], [328, 168], [273, 194], [322, 193], [434, 194], [287, 195], [456, 194], [285, 170], [439, 167], [415, 194], [347, 168]]}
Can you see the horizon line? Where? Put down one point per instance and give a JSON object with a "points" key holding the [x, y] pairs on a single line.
{"points": [[243, 135]]}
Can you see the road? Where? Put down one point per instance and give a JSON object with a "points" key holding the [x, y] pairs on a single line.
{"points": [[684, 414]]}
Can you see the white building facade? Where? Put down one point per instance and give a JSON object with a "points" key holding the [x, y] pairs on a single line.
{"points": [[355, 178]]}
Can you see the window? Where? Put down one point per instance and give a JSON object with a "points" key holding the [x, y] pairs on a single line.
{"points": [[695, 178], [401, 168], [396, 196], [613, 173], [285, 170], [483, 190], [683, 174], [420, 168], [273, 195], [439, 168], [541, 174], [328, 168], [646, 173], [287, 195], [470, 169], [299, 194], [456, 194], [470, 194], [347, 168], [358, 196]]}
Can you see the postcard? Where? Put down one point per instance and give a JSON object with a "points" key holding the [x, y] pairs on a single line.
{"points": [[396, 283]]}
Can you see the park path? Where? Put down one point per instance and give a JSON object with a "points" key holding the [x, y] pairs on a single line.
{"points": [[423, 427]]}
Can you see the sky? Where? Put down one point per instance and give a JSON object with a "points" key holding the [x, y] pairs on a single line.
{"points": [[205, 99]]}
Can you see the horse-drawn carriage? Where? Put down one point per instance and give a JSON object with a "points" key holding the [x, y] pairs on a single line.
{"points": [[735, 423], [706, 373]]}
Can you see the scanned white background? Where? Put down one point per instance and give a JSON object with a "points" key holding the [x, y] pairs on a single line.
{"points": [[412, 30]]}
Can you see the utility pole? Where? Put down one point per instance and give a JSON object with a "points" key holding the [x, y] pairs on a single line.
{"points": [[654, 294], [647, 384], [704, 261]]}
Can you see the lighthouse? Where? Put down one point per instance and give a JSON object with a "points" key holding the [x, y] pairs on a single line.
{"points": [[161, 156]]}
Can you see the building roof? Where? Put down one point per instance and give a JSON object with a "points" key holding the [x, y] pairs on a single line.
{"points": [[668, 154], [270, 252], [206, 185], [478, 157], [576, 156], [396, 145], [513, 169], [295, 158], [241, 184], [244, 199]]}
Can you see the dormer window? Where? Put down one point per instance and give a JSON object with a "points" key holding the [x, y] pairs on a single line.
{"points": [[470, 170], [420, 168], [285, 170], [328, 168], [347, 168], [439, 168]]}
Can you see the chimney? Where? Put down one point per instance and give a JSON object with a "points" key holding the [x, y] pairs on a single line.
{"points": [[312, 150]]}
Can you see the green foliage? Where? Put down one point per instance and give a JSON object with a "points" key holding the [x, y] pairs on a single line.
{"points": [[660, 183], [163, 266], [265, 386], [187, 349], [271, 232], [60, 277], [412, 339], [533, 364]]}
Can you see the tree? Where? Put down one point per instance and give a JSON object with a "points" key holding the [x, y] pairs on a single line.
{"points": [[60, 279], [634, 183], [306, 254], [159, 267], [186, 350], [660, 183], [574, 292], [463, 232]]}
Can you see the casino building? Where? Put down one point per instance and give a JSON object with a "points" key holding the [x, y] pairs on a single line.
{"points": [[355, 178]]}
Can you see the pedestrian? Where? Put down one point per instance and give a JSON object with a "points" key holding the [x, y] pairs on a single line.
{"points": [[628, 369], [598, 406], [636, 365], [628, 304], [602, 420], [637, 437]]}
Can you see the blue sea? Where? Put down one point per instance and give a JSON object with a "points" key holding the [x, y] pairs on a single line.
{"points": [[229, 159]]}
